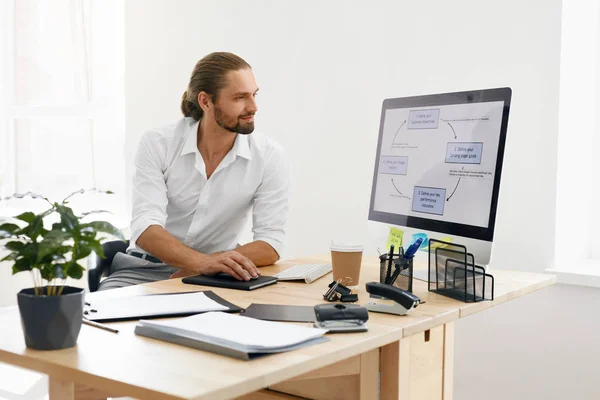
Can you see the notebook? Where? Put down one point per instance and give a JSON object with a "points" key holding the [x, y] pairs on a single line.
{"points": [[229, 282], [155, 305], [231, 335]]}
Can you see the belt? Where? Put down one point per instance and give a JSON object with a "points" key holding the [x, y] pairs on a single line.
{"points": [[144, 256]]}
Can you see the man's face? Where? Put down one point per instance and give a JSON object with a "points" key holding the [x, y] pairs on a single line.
{"points": [[236, 104]]}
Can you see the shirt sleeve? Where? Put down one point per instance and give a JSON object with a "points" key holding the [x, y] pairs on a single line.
{"points": [[149, 204], [270, 204]]}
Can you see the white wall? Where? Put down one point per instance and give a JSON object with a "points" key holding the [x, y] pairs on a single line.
{"points": [[324, 69], [577, 214]]}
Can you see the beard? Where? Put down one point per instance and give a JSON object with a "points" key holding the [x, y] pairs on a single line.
{"points": [[233, 124]]}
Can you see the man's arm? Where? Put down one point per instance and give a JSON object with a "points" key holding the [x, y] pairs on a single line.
{"points": [[270, 210], [160, 243], [259, 252]]}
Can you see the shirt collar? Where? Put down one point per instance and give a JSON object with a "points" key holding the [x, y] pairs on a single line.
{"points": [[241, 146], [191, 141]]}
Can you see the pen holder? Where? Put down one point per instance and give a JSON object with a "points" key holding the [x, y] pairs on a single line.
{"points": [[405, 277]]}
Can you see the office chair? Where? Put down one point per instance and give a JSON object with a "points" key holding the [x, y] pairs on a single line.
{"points": [[99, 267]]}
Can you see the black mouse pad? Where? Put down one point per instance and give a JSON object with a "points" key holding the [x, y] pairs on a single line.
{"points": [[277, 312]]}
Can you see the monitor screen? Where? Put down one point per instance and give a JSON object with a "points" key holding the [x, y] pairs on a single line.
{"points": [[439, 160]]}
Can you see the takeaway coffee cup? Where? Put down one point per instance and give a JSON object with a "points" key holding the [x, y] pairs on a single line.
{"points": [[345, 260]]}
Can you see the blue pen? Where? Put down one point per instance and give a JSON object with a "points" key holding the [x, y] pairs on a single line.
{"points": [[412, 249]]}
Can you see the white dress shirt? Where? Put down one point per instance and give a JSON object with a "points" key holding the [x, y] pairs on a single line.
{"points": [[170, 189]]}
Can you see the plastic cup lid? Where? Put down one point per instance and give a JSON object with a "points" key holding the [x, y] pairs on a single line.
{"points": [[345, 247]]}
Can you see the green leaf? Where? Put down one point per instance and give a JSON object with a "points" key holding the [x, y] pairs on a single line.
{"points": [[106, 227], [47, 271], [83, 250], [96, 246], [35, 227], [26, 216], [15, 246], [51, 243], [85, 214], [20, 265], [29, 252], [67, 217], [11, 257], [57, 236], [75, 271], [8, 229]]}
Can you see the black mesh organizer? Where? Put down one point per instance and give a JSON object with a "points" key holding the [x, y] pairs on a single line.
{"points": [[404, 279], [453, 273]]}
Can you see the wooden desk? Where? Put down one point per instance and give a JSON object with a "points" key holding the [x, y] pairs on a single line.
{"points": [[413, 353]]}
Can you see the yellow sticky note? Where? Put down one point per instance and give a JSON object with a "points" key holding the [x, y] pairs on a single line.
{"points": [[440, 245], [394, 238]]}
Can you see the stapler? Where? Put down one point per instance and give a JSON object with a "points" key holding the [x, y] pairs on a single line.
{"points": [[402, 300]]}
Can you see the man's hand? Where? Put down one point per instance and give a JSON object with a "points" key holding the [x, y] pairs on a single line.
{"points": [[230, 262]]}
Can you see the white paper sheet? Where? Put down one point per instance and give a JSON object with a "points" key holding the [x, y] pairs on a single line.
{"points": [[152, 305]]}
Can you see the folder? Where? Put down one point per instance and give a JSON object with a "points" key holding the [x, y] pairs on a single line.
{"points": [[231, 335], [229, 282], [155, 306]]}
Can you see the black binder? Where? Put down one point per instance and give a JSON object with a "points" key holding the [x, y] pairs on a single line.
{"points": [[229, 282]]}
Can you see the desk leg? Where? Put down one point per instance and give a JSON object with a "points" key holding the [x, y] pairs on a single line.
{"points": [[60, 390], [448, 368], [369, 375], [394, 367]]}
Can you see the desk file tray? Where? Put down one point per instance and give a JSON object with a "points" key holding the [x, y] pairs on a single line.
{"points": [[453, 273]]}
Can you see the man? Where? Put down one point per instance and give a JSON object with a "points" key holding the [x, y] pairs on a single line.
{"points": [[196, 181]]}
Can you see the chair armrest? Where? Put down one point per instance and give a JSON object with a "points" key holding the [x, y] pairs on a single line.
{"points": [[99, 267]]}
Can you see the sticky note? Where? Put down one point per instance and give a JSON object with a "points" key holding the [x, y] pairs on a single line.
{"points": [[438, 245], [394, 238]]}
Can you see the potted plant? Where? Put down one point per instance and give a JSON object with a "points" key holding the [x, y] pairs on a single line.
{"points": [[52, 312]]}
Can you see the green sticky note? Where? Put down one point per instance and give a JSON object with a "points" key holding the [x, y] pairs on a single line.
{"points": [[394, 238]]}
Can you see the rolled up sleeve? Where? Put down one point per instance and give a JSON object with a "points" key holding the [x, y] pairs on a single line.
{"points": [[270, 204], [149, 203]]}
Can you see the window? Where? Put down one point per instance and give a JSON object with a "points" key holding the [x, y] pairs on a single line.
{"points": [[62, 102], [577, 255]]}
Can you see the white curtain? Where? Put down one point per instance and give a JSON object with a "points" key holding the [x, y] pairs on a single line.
{"points": [[62, 102]]}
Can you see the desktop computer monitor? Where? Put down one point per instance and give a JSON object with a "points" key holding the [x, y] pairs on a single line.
{"points": [[438, 166]]}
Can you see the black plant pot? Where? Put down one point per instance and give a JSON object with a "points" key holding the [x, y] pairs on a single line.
{"points": [[51, 322]]}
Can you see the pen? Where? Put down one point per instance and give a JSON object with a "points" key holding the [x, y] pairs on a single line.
{"points": [[394, 276], [389, 268], [101, 326], [412, 249]]}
